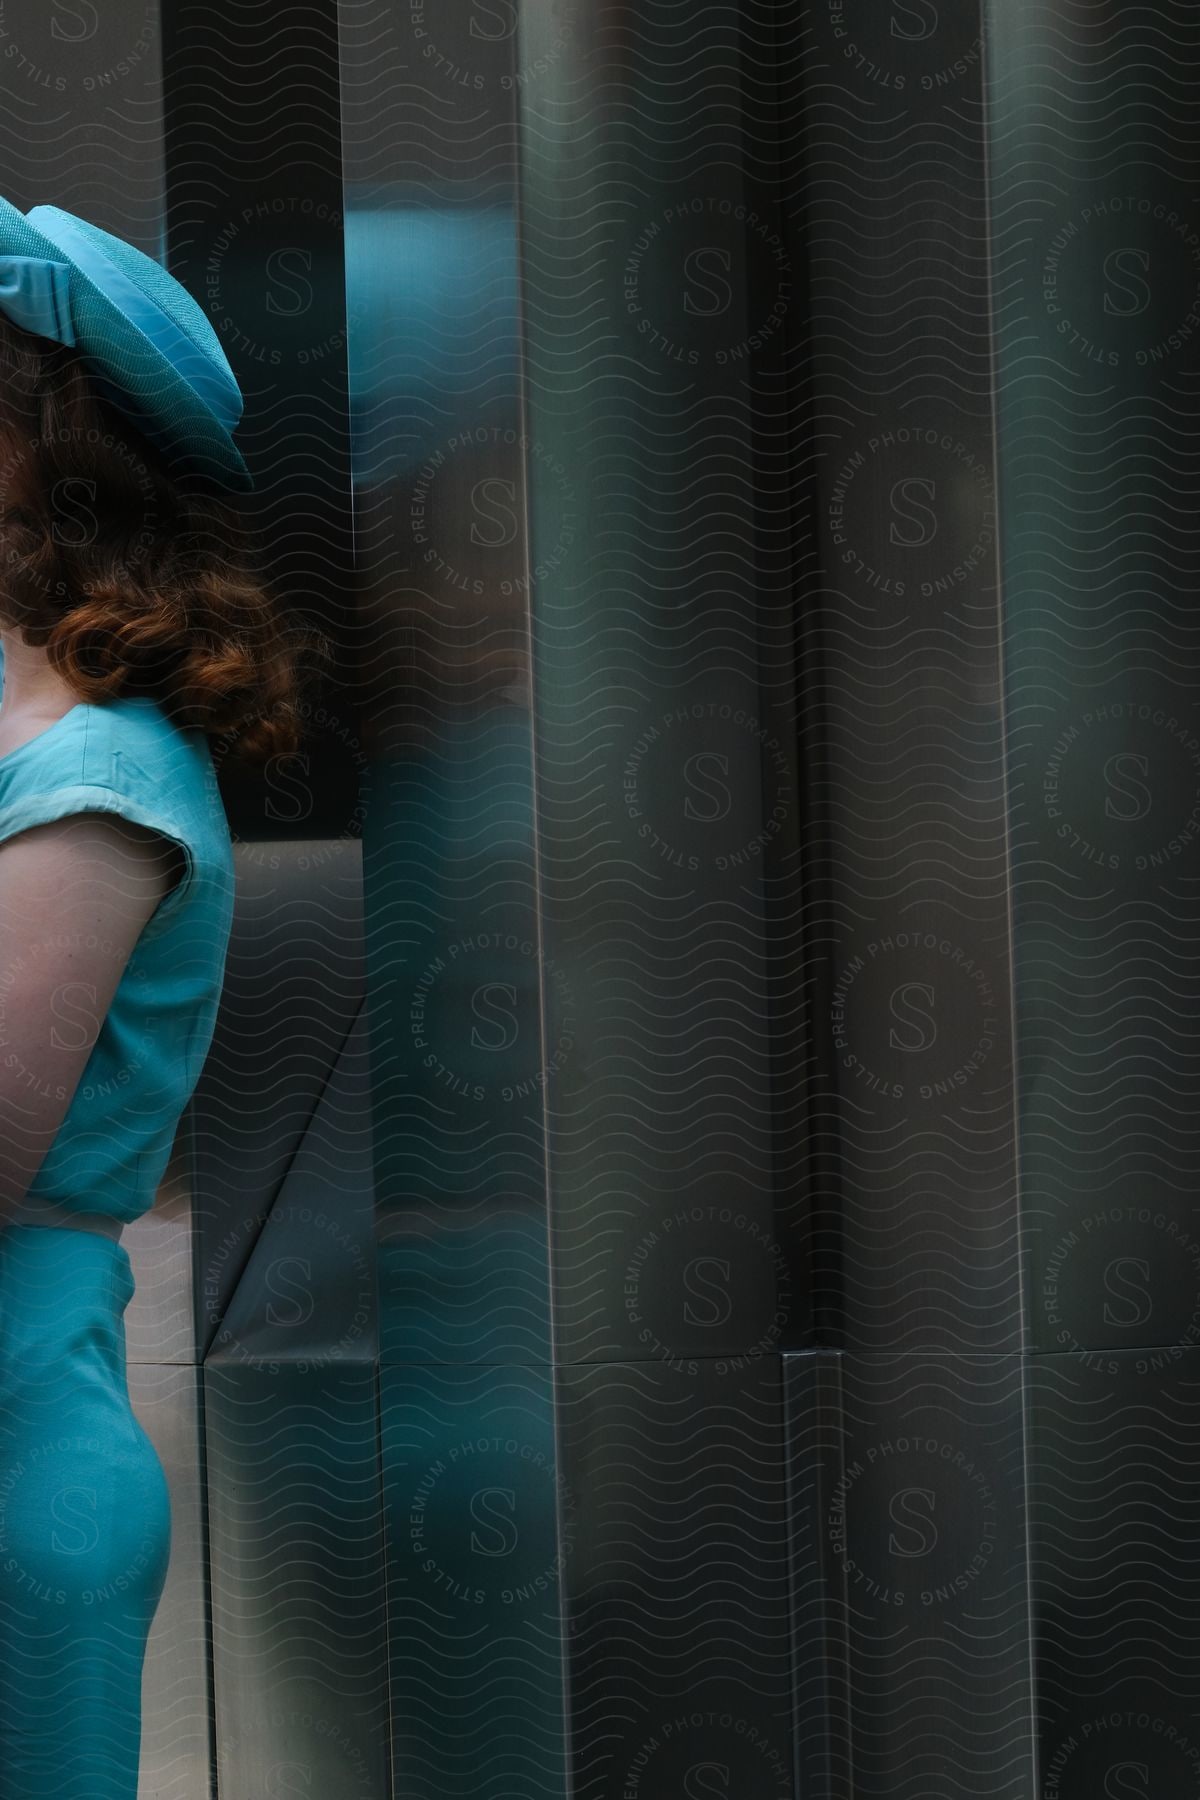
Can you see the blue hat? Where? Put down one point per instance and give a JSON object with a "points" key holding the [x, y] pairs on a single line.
{"points": [[146, 343]]}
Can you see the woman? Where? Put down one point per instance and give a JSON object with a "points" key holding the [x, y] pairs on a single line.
{"points": [[132, 628]]}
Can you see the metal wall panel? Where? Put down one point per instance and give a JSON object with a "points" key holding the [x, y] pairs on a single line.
{"points": [[774, 868], [455, 963], [912, 1077], [913, 1673], [915, 1667], [1098, 351], [1094, 145], [1115, 1509], [658, 283], [287, 1304]]}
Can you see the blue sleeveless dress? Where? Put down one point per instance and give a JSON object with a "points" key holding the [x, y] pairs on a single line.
{"points": [[85, 1524]]}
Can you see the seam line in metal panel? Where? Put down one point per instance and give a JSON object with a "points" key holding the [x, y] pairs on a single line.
{"points": [[986, 114], [536, 838]]}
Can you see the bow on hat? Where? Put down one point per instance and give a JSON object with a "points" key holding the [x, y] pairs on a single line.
{"points": [[36, 293]]}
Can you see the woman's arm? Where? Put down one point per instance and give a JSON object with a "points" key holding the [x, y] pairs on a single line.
{"points": [[75, 895]]}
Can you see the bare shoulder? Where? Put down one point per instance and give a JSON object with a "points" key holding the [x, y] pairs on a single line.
{"points": [[89, 855], [75, 895]]}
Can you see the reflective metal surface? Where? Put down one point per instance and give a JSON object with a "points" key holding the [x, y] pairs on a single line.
{"points": [[1097, 260], [660, 292], [912, 1622], [457, 976], [290, 1385]]}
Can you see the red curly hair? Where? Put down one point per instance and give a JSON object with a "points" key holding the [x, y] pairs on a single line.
{"points": [[135, 575]]}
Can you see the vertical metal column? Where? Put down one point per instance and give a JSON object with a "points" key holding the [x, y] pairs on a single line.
{"points": [[1094, 145], [910, 1548], [659, 288], [474, 1503]]}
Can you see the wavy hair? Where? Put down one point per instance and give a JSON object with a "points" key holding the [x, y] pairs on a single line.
{"points": [[134, 575]]}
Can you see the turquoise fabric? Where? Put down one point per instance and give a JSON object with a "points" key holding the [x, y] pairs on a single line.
{"points": [[85, 1522], [126, 757], [145, 341], [35, 291], [201, 365]]}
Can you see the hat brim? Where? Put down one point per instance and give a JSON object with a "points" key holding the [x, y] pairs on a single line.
{"points": [[161, 404]]}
